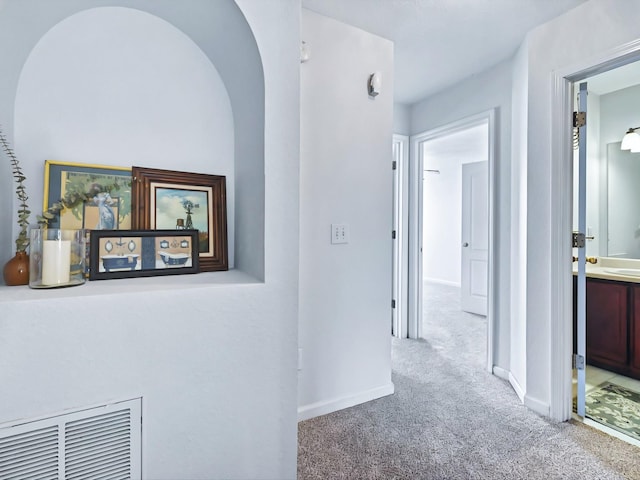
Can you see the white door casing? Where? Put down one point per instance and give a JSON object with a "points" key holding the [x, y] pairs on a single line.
{"points": [[414, 304], [475, 237], [561, 393]]}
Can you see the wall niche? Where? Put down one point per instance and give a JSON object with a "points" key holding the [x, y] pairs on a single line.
{"points": [[153, 86]]}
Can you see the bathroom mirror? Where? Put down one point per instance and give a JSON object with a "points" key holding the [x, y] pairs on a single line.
{"points": [[622, 211]]}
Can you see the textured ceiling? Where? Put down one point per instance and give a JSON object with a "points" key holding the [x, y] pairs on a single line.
{"points": [[440, 42]]}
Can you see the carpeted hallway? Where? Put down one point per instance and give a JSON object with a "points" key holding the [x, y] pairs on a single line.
{"points": [[450, 419]]}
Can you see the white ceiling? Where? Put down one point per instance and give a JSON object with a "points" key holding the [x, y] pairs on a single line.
{"points": [[440, 42]]}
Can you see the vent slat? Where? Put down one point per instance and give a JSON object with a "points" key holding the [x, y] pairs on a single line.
{"points": [[98, 431], [88, 439], [92, 450], [96, 442], [30, 457], [49, 476], [19, 441], [105, 418], [19, 471], [89, 428], [99, 470], [124, 474], [119, 452], [17, 452], [120, 456]]}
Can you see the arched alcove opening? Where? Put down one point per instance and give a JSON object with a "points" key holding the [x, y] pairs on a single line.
{"points": [[98, 101]]}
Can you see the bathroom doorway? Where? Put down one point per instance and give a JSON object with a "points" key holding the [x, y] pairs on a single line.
{"points": [[606, 172]]}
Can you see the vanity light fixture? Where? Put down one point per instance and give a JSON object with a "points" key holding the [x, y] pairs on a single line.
{"points": [[631, 140]]}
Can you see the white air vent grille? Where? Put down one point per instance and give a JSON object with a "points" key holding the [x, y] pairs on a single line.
{"points": [[99, 447], [96, 443], [30, 455]]}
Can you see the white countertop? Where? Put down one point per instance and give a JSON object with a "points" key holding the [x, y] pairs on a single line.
{"points": [[608, 268]]}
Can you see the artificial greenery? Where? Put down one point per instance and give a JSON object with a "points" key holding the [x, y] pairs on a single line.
{"points": [[74, 198], [22, 241], [80, 183]]}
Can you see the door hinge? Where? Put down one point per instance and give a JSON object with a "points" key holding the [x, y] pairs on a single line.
{"points": [[579, 119], [394, 165], [393, 304], [577, 240], [393, 234], [577, 362]]}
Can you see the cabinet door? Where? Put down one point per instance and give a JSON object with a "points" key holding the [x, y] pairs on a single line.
{"points": [[607, 324], [635, 333]]}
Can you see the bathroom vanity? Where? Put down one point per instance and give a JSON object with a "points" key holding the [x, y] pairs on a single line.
{"points": [[613, 318]]}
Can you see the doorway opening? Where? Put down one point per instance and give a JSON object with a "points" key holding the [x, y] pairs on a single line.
{"points": [[451, 172], [606, 272]]}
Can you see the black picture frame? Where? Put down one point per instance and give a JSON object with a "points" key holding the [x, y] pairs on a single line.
{"points": [[143, 253]]}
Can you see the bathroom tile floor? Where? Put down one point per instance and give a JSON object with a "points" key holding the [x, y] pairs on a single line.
{"points": [[596, 376]]}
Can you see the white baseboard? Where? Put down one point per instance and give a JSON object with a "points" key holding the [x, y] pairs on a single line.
{"points": [[516, 386], [501, 373], [537, 406], [322, 408], [530, 402]]}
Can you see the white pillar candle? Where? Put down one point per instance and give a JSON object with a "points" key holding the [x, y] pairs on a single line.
{"points": [[56, 261]]}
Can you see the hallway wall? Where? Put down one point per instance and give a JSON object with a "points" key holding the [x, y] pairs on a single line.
{"points": [[458, 102], [345, 178]]}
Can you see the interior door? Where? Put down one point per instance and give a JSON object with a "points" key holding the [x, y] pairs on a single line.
{"points": [[579, 245], [475, 237]]}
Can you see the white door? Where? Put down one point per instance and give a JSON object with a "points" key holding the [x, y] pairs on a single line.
{"points": [[581, 303], [475, 237], [399, 322]]}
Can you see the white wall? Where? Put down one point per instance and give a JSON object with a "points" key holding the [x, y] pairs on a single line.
{"points": [[345, 177], [461, 101], [401, 119], [579, 37], [209, 353]]}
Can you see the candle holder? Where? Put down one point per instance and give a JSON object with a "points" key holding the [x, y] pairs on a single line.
{"points": [[57, 258]]}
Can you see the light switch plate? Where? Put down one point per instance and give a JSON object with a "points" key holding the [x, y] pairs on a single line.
{"points": [[339, 233]]}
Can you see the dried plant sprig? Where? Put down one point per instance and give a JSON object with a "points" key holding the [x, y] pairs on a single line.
{"points": [[22, 241], [74, 198]]}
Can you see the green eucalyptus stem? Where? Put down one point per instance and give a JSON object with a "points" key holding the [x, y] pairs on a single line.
{"points": [[72, 199], [22, 241]]}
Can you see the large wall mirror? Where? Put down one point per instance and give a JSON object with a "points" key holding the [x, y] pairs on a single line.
{"points": [[622, 232]]}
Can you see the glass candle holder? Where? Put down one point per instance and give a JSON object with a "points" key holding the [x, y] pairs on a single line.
{"points": [[56, 258]]}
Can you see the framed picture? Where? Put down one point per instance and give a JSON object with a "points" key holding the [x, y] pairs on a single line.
{"points": [[105, 212], [164, 199], [142, 253]]}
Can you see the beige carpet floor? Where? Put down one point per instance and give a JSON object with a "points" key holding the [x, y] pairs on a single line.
{"points": [[450, 419]]}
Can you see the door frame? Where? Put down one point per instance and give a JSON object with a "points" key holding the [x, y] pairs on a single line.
{"points": [[399, 317], [561, 395], [415, 222]]}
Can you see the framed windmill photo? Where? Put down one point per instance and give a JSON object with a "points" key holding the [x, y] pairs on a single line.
{"points": [[165, 199]]}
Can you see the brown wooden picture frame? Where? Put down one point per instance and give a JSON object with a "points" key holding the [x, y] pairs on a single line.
{"points": [[165, 199]]}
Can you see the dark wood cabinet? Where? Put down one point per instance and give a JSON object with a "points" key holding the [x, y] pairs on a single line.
{"points": [[607, 323], [634, 332], [613, 325]]}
